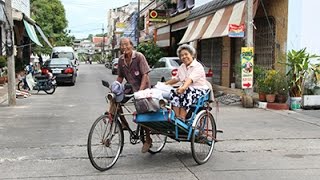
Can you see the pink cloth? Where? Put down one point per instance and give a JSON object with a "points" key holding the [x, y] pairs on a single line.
{"points": [[195, 72]]}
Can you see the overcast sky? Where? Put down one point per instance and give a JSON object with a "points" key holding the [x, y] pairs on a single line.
{"points": [[88, 16]]}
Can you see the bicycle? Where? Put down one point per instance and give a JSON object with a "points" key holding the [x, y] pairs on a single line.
{"points": [[200, 130]]}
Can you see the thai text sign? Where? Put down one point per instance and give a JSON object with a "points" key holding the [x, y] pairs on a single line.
{"points": [[236, 30], [156, 15], [247, 67]]}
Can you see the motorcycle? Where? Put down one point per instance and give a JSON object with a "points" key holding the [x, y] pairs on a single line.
{"points": [[46, 83]]}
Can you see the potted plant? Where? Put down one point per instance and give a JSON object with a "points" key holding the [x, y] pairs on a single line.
{"points": [[259, 74], [298, 66], [3, 69], [281, 88], [270, 84]]}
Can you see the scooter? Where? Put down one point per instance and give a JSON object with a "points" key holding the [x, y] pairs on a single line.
{"points": [[46, 83]]}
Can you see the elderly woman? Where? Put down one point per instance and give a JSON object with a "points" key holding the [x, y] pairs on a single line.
{"points": [[193, 78]]}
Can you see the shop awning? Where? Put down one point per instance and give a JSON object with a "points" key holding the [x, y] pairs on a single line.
{"points": [[163, 36], [42, 35], [218, 24], [31, 32], [196, 29]]}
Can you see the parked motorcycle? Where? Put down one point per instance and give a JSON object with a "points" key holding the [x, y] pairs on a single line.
{"points": [[46, 83]]}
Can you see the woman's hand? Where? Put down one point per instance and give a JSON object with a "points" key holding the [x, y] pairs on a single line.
{"points": [[180, 90]]}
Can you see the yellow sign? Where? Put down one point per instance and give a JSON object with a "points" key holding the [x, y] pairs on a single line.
{"points": [[247, 54]]}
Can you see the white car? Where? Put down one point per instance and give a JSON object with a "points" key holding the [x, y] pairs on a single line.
{"points": [[167, 68]]}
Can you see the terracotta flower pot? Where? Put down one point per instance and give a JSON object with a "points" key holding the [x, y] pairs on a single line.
{"points": [[2, 80], [281, 98], [270, 98], [262, 97]]}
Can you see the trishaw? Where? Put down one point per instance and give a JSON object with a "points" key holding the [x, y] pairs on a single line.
{"points": [[106, 136]]}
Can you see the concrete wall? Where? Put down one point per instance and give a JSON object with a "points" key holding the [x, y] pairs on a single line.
{"points": [[278, 9], [226, 62]]}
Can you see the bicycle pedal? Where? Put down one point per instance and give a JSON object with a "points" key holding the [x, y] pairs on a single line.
{"points": [[219, 131]]}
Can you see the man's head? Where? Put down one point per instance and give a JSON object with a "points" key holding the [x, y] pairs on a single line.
{"points": [[126, 45]]}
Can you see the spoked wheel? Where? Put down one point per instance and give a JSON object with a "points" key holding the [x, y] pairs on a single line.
{"points": [[105, 143], [51, 90], [203, 137], [23, 86], [158, 141]]}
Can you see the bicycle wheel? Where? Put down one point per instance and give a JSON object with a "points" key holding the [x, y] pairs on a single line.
{"points": [[203, 137], [158, 141], [105, 143], [51, 90], [22, 86]]}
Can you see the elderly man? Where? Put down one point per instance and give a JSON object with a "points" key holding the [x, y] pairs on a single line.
{"points": [[134, 67]]}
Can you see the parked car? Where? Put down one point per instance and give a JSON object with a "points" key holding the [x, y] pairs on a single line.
{"points": [[65, 52], [167, 68], [114, 67], [62, 68]]}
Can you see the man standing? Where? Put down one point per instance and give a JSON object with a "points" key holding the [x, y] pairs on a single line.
{"points": [[134, 67]]}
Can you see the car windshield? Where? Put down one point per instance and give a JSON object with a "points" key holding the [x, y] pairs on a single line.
{"points": [[55, 62], [68, 55], [175, 62]]}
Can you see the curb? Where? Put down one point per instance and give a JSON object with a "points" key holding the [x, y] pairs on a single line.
{"points": [[3, 94]]}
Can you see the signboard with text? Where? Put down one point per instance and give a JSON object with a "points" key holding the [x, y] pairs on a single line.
{"points": [[157, 16], [236, 30], [247, 54]]}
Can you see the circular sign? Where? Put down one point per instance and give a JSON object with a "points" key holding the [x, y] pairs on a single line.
{"points": [[153, 14]]}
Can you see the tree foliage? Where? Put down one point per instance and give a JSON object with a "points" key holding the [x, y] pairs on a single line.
{"points": [[51, 17], [151, 51]]}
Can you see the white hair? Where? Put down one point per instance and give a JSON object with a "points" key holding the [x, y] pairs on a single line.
{"points": [[187, 47]]}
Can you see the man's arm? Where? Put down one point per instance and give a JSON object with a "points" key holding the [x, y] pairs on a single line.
{"points": [[144, 81]]}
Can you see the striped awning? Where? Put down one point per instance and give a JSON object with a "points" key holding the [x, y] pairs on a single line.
{"points": [[163, 36], [196, 29], [217, 25], [31, 32], [42, 35]]}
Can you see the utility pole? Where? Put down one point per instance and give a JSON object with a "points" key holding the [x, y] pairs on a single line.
{"points": [[102, 50], [137, 26], [10, 55], [249, 37]]}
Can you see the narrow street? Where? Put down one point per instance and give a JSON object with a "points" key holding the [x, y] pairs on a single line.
{"points": [[45, 136]]}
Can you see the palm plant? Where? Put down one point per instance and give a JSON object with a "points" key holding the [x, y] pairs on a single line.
{"points": [[298, 64]]}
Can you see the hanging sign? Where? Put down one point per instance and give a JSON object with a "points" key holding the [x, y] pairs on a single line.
{"points": [[247, 67], [236, 30], [156, 15]]}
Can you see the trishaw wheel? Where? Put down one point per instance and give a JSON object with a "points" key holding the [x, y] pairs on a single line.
{"points": [[203, 137], [158, 141], [105, 142]]}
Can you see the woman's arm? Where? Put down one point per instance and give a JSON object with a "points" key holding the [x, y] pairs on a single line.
{"points": [[171, 82], [185, 85]]}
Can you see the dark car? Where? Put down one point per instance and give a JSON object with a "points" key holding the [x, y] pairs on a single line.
{"points": [[114, 66], [63, 68], [167, 68]]}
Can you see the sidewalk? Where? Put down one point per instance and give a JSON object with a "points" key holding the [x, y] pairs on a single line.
{"points": [[3, 93]]}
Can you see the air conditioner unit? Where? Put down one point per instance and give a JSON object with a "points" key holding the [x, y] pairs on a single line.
{"points": [[181, 5], [190, 4]]}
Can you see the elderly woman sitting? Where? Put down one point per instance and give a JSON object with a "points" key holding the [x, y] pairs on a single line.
{"points": [[192, 76]]}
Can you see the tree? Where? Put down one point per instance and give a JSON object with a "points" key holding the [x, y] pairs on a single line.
{"points": [[51, 17], [151, 51]]}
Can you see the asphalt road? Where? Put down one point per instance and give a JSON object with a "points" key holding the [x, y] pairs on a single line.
{"points": [[44, 137]]}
